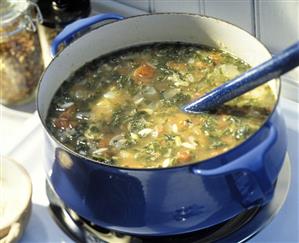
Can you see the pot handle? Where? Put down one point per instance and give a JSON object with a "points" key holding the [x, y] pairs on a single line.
{"points": [[68, 33], [250, 163]]}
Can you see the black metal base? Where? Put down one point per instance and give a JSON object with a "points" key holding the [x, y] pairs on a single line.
{"points": [[238, 229]]}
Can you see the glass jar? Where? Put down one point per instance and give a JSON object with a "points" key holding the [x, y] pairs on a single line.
{"points": [[20, 53]]}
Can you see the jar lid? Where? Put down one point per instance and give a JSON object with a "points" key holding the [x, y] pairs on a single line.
{"points": [[18, 15], [11, 10], [59, 13]]}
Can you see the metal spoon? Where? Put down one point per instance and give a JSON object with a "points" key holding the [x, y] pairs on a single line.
{"points": [[273, 68]]}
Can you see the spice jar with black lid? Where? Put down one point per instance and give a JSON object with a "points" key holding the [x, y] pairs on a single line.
{"points": [[21, 63], [56, 15]]}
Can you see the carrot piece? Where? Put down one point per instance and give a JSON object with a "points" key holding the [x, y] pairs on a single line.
{"points": [[215, 57], [103, 143], [144, 74], [200, 64], [184, 156], [160, 129]]}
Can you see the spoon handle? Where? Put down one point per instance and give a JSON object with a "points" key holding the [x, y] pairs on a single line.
{"points": [[273, 68]]}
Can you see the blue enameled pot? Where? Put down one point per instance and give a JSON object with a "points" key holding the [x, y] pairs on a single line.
{"points": [[169, 200]]}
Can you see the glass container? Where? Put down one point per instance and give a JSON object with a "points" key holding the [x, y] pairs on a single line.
{"points": [[20, 54]]}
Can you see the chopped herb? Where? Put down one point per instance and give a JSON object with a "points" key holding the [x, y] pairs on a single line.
{"points": [[118, 118], [178, 99], [138, 121], [169, 137], [216, 143], [242, 132], [209, 124]]}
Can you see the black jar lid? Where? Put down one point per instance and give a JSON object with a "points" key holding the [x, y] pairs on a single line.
{"points": [[59, 13]]}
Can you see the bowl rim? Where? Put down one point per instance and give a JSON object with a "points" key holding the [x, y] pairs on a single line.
{"points": [[25, 209]]}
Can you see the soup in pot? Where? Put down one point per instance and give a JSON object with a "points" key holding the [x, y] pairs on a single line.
{"points": [[124, 109]]}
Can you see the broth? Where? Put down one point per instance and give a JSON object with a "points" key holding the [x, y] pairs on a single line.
{"points": [[123, 109]]}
